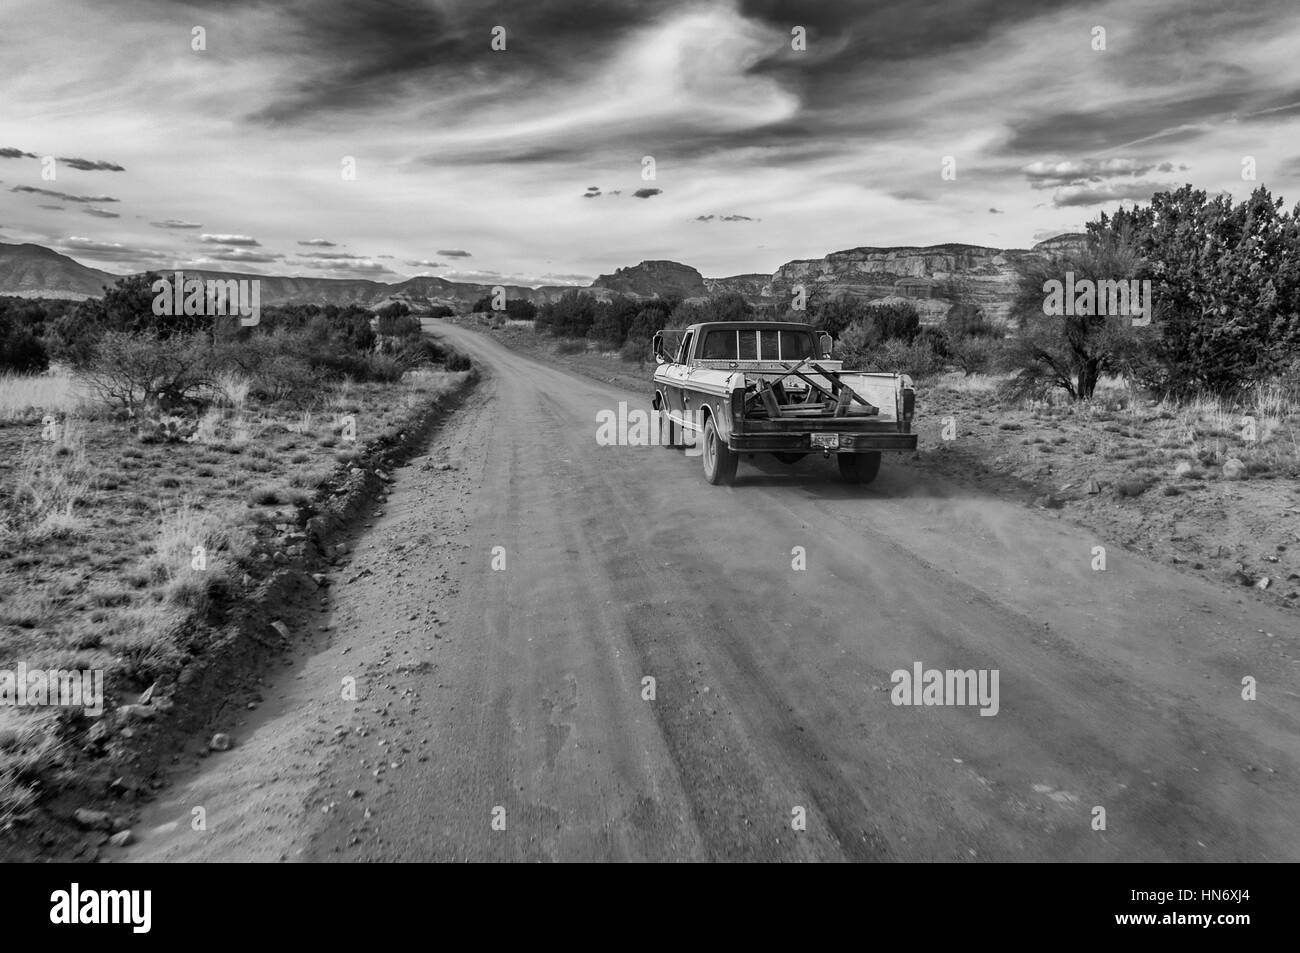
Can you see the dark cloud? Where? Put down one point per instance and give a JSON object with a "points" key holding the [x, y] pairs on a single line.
{"points": [[1085, 195], [319, 243], [1116, 124], [100, 213], [63, 195], [996, 211], [84, 165], [79, 247], [53, 208], [646, 193], [360, 55], [241, 254], [425, 264], [454, 253], [91, 165], [1279, 105], [175, 223]]}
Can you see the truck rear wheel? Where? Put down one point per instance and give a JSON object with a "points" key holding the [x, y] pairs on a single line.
{"points": [[719, 460], [858, 467]]}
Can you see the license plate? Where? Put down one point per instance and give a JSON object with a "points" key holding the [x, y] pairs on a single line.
{"points": [[827, 441]]}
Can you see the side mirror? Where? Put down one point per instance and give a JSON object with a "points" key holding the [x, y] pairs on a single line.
{"points": [[826, 345], [657, 345]]}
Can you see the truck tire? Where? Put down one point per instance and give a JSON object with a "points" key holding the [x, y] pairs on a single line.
{"points": [[719, 459], [858, 467]]}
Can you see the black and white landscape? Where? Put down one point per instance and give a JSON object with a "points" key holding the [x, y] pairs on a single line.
{"points": [[371, 487]]}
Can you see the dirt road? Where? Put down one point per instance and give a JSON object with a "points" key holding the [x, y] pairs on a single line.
{"points": [[514, 698]]}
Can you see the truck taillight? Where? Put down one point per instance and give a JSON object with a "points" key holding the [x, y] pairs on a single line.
{"points": [[909, 405]]}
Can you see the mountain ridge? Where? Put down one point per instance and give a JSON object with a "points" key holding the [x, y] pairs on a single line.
{"points": [[932, 276]]}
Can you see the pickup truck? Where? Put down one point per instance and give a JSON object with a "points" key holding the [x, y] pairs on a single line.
{"points": [[746, 387]]}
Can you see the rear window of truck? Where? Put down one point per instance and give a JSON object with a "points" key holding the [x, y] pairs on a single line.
{"points": [[752, 345]]}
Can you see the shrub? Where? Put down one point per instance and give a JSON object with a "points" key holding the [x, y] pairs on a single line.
{"points": [[266, 496], [1226, 284], [1069, 352], [21, 351], [164, 428], [133, 371], [516, 309], [283, 376], [974, 355], [854, 344], [232, 387], [126, 307], [571, 346], [455, 360], [612, 321], [894, 321], [731, 306], [383, 368], [398, 325], [571, 315], [965, 320], [916, 358], [834, 316]]}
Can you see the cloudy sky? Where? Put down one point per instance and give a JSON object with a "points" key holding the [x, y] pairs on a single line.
{"points": [[527, 164]]}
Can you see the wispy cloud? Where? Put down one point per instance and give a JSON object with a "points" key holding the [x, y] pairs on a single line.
{"points": [[66, 197]]}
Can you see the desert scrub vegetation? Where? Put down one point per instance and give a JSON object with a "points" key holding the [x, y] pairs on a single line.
{"points": [[1224, 282], [157, 472]]}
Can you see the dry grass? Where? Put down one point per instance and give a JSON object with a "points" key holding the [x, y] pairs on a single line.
{"points": [[304, 423], [233, 388], [959, 383], [49, 483], [28, 752], [99, 529], [25, 395], [192, 550], [96, 504]]}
